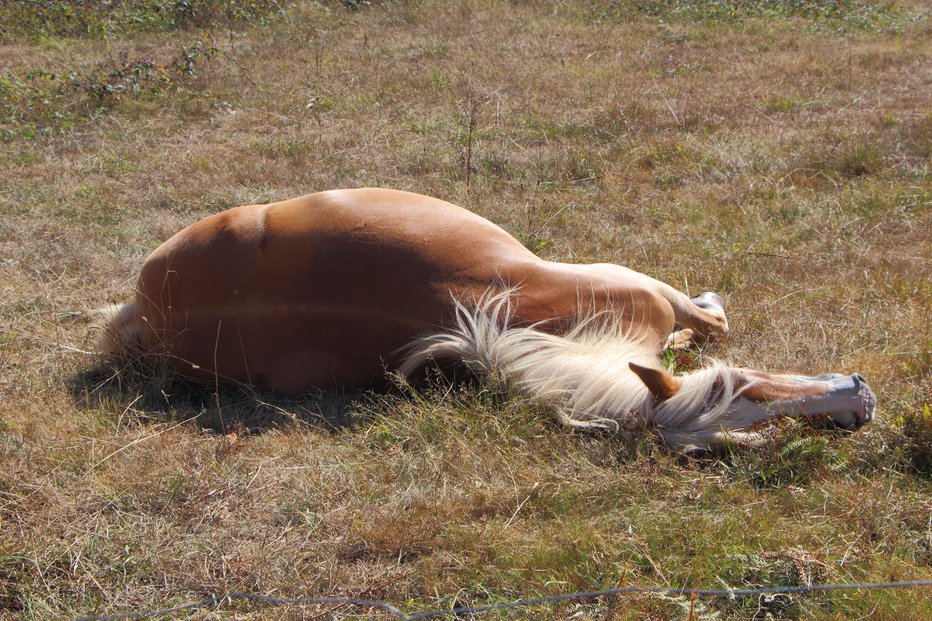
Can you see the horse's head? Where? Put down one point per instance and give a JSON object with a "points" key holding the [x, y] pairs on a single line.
{"points": [[740, 398]]}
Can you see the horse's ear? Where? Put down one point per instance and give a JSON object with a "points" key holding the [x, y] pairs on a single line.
{"points": [[660, 383]]}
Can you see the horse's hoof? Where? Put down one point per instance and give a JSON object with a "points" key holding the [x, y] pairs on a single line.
{"points": [[710, 301]]}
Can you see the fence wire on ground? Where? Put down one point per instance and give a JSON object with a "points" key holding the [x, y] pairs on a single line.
{"points": [[368, 603]]}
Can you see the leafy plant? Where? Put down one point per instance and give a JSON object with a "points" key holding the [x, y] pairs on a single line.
{"points": [[800, 458]]}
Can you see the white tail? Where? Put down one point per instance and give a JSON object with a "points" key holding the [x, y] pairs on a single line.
{"points": [[584, 377], [119, 330]]}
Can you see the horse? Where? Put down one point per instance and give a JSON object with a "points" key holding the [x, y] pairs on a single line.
{"points": [[337, 288]]}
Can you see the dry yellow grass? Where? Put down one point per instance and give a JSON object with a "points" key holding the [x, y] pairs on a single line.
{"points": [[781, 159]]}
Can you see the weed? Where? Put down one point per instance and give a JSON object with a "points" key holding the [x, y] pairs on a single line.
{"points": [[469, 112], [856, 161], [668, 152], [779, 103], [106, 85], [532, 241], [796, 457], [681, 361], [40, 101], [917, 427]]}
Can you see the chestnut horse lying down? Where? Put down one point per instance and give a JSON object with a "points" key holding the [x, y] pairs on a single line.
{"points": [[334, 288]]}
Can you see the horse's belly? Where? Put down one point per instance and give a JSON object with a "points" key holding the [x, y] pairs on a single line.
{"points": [[291, 350]]}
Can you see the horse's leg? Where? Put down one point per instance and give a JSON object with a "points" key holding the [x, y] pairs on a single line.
{"points": [[704, 314], [681, 339], [688, 315]]}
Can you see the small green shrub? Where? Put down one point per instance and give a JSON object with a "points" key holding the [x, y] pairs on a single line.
{"points": [[41, 101], [681, 361], [106, 85]]}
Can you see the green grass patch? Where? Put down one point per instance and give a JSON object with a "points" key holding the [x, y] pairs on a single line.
{"points": [[424, 416], [120, 18], [39, 101], [837, 14]]}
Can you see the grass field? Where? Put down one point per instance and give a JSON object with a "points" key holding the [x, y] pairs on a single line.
{"points": [[776, 152]]}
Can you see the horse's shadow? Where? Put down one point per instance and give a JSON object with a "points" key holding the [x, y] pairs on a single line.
{"points": [[146, 389]]}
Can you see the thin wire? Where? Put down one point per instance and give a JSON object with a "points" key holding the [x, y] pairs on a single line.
{"points": [[672, 591], [368, 603]]}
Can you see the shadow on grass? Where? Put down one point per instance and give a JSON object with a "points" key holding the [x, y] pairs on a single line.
{"points": [[455, 403], [148, 389], [436, 409]]}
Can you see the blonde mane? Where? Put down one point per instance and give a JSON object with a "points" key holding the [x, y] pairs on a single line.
{"points": [[583, 376]]}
